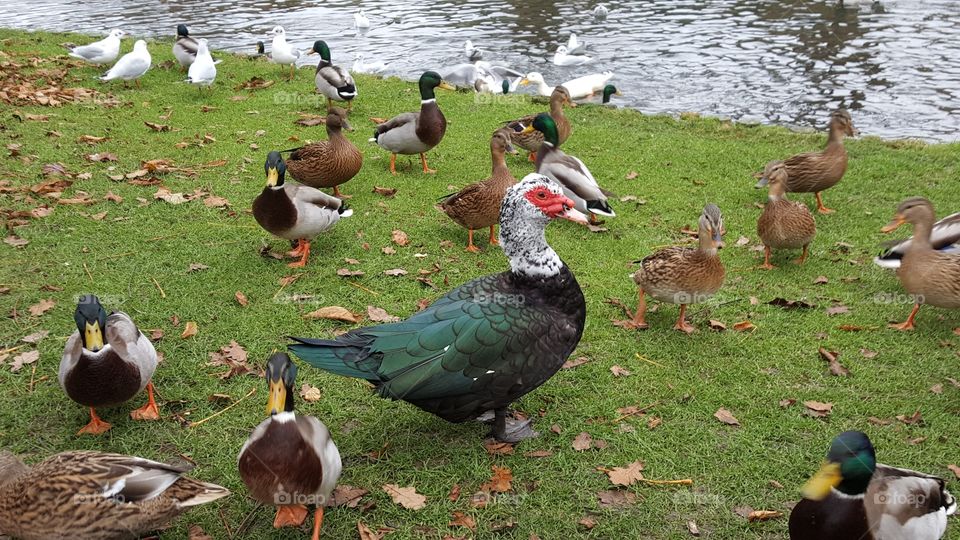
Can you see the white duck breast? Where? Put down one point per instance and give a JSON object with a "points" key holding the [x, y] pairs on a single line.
{"points": [[131, 65], [316, 211], [203, 70], [576, 180], [100, 52]]}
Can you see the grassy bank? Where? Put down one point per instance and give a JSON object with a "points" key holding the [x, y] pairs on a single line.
{"points": [[138, 258]]}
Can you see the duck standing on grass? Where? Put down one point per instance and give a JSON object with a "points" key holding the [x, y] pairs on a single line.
{"points": [[682, 275], [100, 52], [818, 171], [106, 362], [415, 132], [281, 52], [203, 71], [91, 495], [295, 212], [332, 81], [852, 497], [329, 163], [185, 47], [478, 205], [131, 66], [533, 139], [290, 460], [486, 343], [929, 275], [783, 224]]}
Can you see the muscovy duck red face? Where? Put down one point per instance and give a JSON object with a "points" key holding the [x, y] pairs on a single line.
{"points": [[551, 201]]}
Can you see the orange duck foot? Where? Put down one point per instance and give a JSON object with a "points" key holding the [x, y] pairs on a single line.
{"points": [[685, 327], [290, 516], [96, 425], [148, 411]]}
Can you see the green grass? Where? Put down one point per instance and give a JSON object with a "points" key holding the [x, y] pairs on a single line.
{"points": [[679, 165]]}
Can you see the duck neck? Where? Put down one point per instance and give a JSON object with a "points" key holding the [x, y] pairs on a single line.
{"points": [[835, 139], [706, 246], [556, 107], [921, 235], [778, 192], [525, 244], [499, 163], [334, 133]]}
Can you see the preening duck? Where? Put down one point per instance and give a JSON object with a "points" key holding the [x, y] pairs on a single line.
{"points": [[486, 343], [106, 362], [329, 163], [332, 81], [185, 47], [853, 496]]}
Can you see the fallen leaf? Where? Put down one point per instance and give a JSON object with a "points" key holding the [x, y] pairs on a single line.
{"points": [[582, 442], [234, 357], [867, 353], [692, 528], [156, 334], [363, 530], [831, 358], [110, 196], [287, 280], [310, 393], [197, 533], [578, 361], [15, 241], [387, 250], [631, 175], [168, 196], [386, 192], [821, 280], [955, 469], [41, 212], [654, 422], [41, 307], [254, 83], [818, 409], [744, 326], [717, 325], [915, 418], [626, 476], [395, 272], [790, 304], [196, 267], [616, 498], [726, 417], [619, 371], [346, 272], [454, 494], [459, 519], [400, 238], [879, 421], [157, 127], [538, 454], [241, 298], [406, 497], [838, 309], [23, 359], [376, 314], [500, 481], [190, 329], [763, 515], [90, 139], [214, 201], [936, 389], [784, 403], [334, 313], [36, 337], [497, 448], [347, 496], [377, 120], [101, 156]]}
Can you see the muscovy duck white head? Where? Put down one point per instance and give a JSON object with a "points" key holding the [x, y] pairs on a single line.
{"points": [[526, 209]]}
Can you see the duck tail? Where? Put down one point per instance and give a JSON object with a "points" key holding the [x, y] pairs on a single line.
{"points": [[348, 355], [601, 208]]}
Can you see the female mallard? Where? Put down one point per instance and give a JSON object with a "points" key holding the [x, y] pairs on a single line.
{"points": [[580, 87], [289, 461], [568, 171], [854, 497], [328, 163], [783, 224], [415, 132], [485, 343], [95, 496], [478, 205], [682, 275], [531, 140], [106, 362], [332, 81], [944, 237], [818, 171], [185, 47], [930, 276], [293, 211]]}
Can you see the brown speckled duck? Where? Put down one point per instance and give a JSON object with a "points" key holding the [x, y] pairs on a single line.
{"points": [[106, 362], [94, 496], [783, 224], [682, 275], [930, 276], [815, 172], [289, 457], [478, 205], [531, 140], [329, 163]]}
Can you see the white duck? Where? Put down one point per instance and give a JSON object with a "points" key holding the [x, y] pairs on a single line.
{"points": [[575, 46], [361, 21], [359, 66], [563, 58], [100, 52], [578, 88], [281, 52], [203, 70], [473, 53], [131, 66]]}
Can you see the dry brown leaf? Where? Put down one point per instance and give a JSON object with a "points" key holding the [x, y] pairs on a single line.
{"points": [[157, 127], [156, 334], [110, 196], [915, 418], [310, 393], [406, 497], [346, 272], [955, 469], [726, 417], [15, 241], [197, 533], [500, 481], [879, 421], [41, 307], [214, 201], [631, 175], [818, 409], [189, 330], [196, 267], [619, 371], [616, 498], [23, 359], [626, 476], [36, 337], [867, 353], [334, 313], [821, 280], [744, 326], [936, 389], [582, 442], [717, 325], [538, 454], [831, 358], [763, 515], [395, 272], [363, 530], [399, 238], [376, 314], [287, 280], [386, 192], [347, 495], [578, 361], [90, 139], [459, 519], [241, 298], [838, 309], [168, 196], [692, 528], [790, 304], [497, 448], [654, 422], [234, 357]]}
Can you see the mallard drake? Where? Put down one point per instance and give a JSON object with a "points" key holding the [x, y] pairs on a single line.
{"points": [[580, 87], [854, 497], [106, 362], [261, 52], [328, 163], [478, 205], [568, 171], [203, 70], [415, 132], [487, 342], [682, 275], [783, 224], [281, 52], [563, 57], [100, 52], [131, 66], [290, 460], [610, 90], [95, 496], [332, 81], [185, 47], [944, 237], [531, 140], [293, 211], [930, 276], [818, 171]]}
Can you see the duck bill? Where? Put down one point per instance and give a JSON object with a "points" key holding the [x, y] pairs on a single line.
{"points": [[618, 93], [272, 176], [92, 336], [346, 125], [897, 221], [510, 149], [763, 182], [277, 398], [446, 86], [820, 485], [574, 215]]}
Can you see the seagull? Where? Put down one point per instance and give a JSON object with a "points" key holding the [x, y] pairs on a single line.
{"points": [[203, 70], [473, 53], [100, 52], [361, 21], [130, 66], [359, 66], [574, 46], [185, 47], [281, 51], [600, 12], [563, 58]]}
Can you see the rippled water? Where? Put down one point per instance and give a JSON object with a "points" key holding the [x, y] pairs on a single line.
{"points": [[893, 63]]}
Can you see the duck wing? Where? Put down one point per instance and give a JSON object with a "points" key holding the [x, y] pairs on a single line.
{"points": [[945, 236], [901, 503]]}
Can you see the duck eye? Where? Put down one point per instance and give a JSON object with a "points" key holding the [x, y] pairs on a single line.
{"points": [[541, 195]]}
